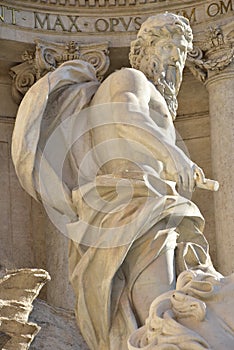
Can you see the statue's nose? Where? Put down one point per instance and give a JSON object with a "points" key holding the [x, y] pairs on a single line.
{"points": [[175, 54]]}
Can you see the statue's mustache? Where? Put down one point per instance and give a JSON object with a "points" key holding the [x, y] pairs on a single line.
{"points": [[167, 74]]}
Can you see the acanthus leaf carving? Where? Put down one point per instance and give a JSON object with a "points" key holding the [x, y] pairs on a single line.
{"points": [[48, 56], [214, 54], [195, 64]]}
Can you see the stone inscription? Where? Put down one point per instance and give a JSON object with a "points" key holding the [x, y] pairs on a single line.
{"points": [[219, 8], [78, 24], [81, 24]]}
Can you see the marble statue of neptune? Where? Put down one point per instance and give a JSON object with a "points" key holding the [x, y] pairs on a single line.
{"points": [[122, 190]]}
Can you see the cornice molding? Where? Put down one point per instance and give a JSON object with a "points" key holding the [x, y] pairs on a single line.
{"points": [[95, 4]]}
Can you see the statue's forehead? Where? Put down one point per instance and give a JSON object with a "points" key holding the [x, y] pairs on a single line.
{"points": [[176, 39]]}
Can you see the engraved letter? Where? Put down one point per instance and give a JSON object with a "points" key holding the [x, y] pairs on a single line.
{"points": [[113, 23], [226, 7], [213, 9], [73, 23], [42, 22], [101, 25], [13, 19], [2, 14], [125, 25], [58, 22], [137, 22], [191, 16]]}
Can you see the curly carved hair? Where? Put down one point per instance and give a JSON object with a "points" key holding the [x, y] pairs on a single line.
{"points": [[164, 25]]}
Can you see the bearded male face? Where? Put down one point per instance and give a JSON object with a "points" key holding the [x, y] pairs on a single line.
{"points": [[162, 63], [165, 61], [160, 52]]}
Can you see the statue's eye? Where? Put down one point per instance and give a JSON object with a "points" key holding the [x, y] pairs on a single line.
{"points": [[168, 47]]}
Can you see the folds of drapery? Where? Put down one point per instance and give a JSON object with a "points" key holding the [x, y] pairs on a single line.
{"points": [[46, 111], [105, 311]]}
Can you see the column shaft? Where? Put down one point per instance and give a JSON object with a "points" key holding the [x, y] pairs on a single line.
{"points": [[221, 104]]}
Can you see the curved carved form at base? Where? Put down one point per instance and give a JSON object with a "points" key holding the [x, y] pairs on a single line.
{"points": [[48, 56], [198, 315]]}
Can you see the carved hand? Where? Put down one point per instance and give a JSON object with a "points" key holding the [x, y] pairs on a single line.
{"points": [[182, 170]]}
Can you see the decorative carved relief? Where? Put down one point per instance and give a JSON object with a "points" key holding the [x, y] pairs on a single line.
{"points": [[48, 56], [213, 54]]}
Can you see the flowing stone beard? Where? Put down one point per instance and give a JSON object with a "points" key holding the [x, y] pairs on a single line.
{"points": [[166, 78]]}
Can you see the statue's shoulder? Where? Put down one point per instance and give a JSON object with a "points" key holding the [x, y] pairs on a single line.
{"points": [[124, 80], [128, 80], [128, 77]]}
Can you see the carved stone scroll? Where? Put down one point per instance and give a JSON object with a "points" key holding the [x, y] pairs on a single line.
{"points": [[48, 56], [213, 54]]}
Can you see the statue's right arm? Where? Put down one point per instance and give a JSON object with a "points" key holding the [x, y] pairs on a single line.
{"points": [[131, 88]]}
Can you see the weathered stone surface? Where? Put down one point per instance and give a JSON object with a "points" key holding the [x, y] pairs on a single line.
{"points": [[59, 330], [18, 289]]}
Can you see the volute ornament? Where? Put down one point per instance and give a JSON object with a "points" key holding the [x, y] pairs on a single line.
{"points": [[214, 54], [48, 56]]}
